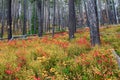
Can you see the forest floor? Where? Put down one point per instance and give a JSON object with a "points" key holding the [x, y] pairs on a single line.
{"points": [[59, 58]]}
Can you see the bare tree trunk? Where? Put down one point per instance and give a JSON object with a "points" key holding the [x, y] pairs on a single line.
{"points": [[9, 20], [118, 11], [100, 13], [40, 28], [72, 21], [59, 21], [35, 17], [24, 20], [86, 13], [48, 15], [93, 22], [114, 12], [54, 15], [3, 21], [107, 12], [80, 12]]}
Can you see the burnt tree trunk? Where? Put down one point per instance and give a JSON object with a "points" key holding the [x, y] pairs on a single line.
{"points": [[24, 19], [54, 7], [93, 22], [40, 28], [72, 20], [2, 28], [9, 21], [48, 15]]}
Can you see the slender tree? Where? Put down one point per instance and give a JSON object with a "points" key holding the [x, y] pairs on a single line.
{"points": [[93, 22], [72, 21], [35, 17], [40, 28], [58, 10], [86, 11], [3, 10], [48, 21], [24, 19], [80, 7], [100, 12], [54, 15], [114, 11], [118, 11]]}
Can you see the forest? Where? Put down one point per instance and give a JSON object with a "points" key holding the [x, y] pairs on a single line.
{"points": [[59, 40]]}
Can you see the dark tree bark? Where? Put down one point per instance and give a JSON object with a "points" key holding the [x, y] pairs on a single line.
{"points": [[35, 17], [45, 16], [111, 12], [48, 15], [58, 10], [40, 28], [54, 15], [9, 21], [93, 22], [62, 16], [118, 11], [24, 19], [72, 20], [3, 11], [42, 15]]}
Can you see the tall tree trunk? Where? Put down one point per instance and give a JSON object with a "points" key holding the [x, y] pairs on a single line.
{"points": [[110, 12], [3, 14], [9, 20], [100, 12], [54, 15], [118, 11], [59, 21], [107, 12], [93, 22], [62, 15], [48, 15], [45, 16], [86, 13], [35, 17], [80, 12], [24, 19], [114, 12], [40, 28], [42, 15], [72, 20]]}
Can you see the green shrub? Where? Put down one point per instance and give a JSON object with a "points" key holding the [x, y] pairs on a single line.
{"points": [[75, 50]]}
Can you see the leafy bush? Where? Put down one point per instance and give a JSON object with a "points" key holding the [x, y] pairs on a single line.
{"points": [[60, 59], [75, 50]]}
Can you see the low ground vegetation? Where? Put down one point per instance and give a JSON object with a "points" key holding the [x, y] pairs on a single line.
{"points": [[59, 58]]}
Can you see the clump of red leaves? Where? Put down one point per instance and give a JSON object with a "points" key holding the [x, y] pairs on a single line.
{"points": [[83, 42], [12, 43], [36, 78], [10, 70], [44, 40], [61, 44], [42, 52], [21, 59]]}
